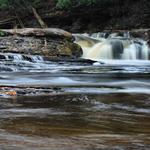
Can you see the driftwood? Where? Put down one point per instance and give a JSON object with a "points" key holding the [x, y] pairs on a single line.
{"points": [[52, 32], [39, 19]]}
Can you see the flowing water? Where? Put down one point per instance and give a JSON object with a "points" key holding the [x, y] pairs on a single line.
{"points": [[77, 105], [97, 47]]}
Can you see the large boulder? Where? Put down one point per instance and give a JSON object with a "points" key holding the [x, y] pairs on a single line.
{"points": [[50, 42]]}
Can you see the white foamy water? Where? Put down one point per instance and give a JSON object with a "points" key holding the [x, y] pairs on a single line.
{"points": [[63, 105], [112, 48]]}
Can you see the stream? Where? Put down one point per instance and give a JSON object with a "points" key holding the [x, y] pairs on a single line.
{"points": [[74, 105]]}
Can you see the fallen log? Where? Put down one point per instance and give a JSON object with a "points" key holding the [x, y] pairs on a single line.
{"points": [[46, 32]]}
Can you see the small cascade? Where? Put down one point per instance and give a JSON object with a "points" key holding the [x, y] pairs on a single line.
{"points": [[37, 58], [16, 57], [19, 62], [115, 46], [20, 57]]}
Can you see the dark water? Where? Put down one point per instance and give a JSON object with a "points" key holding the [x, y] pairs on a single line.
{"points": [[91, 106]]}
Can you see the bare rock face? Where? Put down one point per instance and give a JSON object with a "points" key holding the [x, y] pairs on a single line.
{"points": [[50, 42]]}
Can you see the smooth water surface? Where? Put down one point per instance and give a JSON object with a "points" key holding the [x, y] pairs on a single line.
{"points": [[98, 106]]}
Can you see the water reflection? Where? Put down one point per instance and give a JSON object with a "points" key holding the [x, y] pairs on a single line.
{"points": [[82, 121], [74, 105]]}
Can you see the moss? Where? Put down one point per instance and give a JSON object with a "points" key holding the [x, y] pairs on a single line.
{"points": [[2, 33]]}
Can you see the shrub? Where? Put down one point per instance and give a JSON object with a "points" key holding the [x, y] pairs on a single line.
{"points": [[66, 4], [15, 3], [3, 4]]}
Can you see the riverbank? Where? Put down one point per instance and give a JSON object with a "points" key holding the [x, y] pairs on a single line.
{"points": [[110, 15]]}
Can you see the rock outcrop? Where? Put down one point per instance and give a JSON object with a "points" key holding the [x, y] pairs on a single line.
{"points": [[135, 33], [49, 42]]}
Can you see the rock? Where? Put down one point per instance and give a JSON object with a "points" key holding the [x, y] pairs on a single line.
{"points": [[2, 57], [127, 34], [141, 33], [48, 42]]}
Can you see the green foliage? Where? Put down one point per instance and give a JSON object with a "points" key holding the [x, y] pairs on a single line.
{"points": [[63, 4], [3, 4], [87, 2], [2, 33], [10, 3], [66, 4]]}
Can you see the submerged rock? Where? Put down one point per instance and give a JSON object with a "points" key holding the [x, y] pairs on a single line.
{"points": [[12, 91], [47, 42]]}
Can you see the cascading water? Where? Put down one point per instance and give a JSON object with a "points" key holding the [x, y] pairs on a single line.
{"points": [[20, 57], [77, 103], [101, 46], [16, 62]]}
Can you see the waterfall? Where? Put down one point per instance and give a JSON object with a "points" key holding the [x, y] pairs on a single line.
{"points": [[99, 46], [100, 51], [20, 57]]}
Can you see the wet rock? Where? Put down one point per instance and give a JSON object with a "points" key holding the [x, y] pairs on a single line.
{"points": [[127, 34], [27, 58], [141, 33], [2, 57], [27, 90], [48, 42], [2, 68], [117, 48]]}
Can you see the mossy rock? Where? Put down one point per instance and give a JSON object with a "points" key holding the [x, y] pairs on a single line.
{"points": [[69, 49], [3, 33]]}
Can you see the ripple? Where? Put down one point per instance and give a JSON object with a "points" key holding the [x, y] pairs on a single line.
{"points": [[131, 108], [36, 112]]}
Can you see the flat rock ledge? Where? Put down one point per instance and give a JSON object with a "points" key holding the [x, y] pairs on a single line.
{"points": [[49, 42]]}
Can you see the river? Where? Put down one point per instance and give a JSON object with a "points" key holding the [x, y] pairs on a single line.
{"points": [[74, 105]]}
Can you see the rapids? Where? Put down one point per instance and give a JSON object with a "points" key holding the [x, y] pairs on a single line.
{"points": [[99, 47], [76, 104]]}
